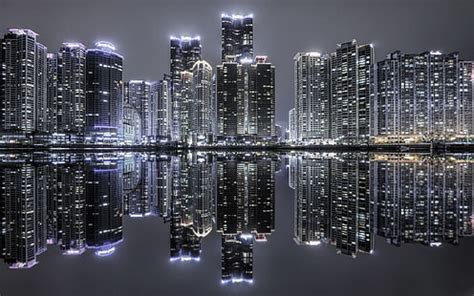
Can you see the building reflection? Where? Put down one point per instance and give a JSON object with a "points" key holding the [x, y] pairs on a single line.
{"points": [[245, 210], [343, 200], [190, 206], [78, 202], [332, 201], [422, 199]]}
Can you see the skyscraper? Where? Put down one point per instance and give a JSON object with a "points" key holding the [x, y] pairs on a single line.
{"points": [[246, 101], [52, 92], [201, 115], [142, 95], [41, 89], [187, 107], [104, 94], [292, 125], [163, 109], [23, 86], [421, 98], [132, 124], [312, 97], [227, 95], [466, 100], [237, 36], [351, 66], [71, 95], [184, 52], [245, 86]]}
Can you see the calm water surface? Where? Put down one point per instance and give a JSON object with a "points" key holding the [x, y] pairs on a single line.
{"points": [[236, 223]]}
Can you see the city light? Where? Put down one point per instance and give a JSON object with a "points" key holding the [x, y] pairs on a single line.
{"points": [[105, 45]]}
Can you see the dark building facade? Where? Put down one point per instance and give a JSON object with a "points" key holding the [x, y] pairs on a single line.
{"points": [[184, 53], [104, 94], [237, 36]]}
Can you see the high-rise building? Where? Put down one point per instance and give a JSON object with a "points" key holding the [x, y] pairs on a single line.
{"points": [[351, 66], [420, 98], [71, 92], [292, 125], [184, 53], [201, 116], [227, 95], [245, 86], [142, 95], [132, 125], [23, 83], [312, 97], [104, 94], [246, 101], [466, 100], [52, 92], [163, 109], [187, 107], [41, 85], [237, 36]]}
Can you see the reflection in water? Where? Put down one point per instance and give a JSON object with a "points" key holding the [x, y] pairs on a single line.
{"points": [[77, 202]]}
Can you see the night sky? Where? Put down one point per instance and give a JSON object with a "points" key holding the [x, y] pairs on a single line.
{"points": [[140, 29]]}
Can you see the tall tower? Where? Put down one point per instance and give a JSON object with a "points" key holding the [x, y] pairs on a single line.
{"points": [[466, 94], [71, 100], [263, 99], [184, 52], [142, 96], [163, 110], [23, 87], [237, 36], [351, 65], [245, 86], [52, 91], [41, 89], [312, 97], [201, 126], [246, 100], [104, 94]]}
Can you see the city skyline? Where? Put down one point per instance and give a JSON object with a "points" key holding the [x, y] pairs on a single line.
{"points": [[419, 38]]}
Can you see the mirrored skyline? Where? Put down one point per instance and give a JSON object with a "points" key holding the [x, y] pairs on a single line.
{"points": [[347, 203]]}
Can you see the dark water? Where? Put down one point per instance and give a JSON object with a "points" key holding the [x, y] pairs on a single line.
{"points": [[236, 223]]}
